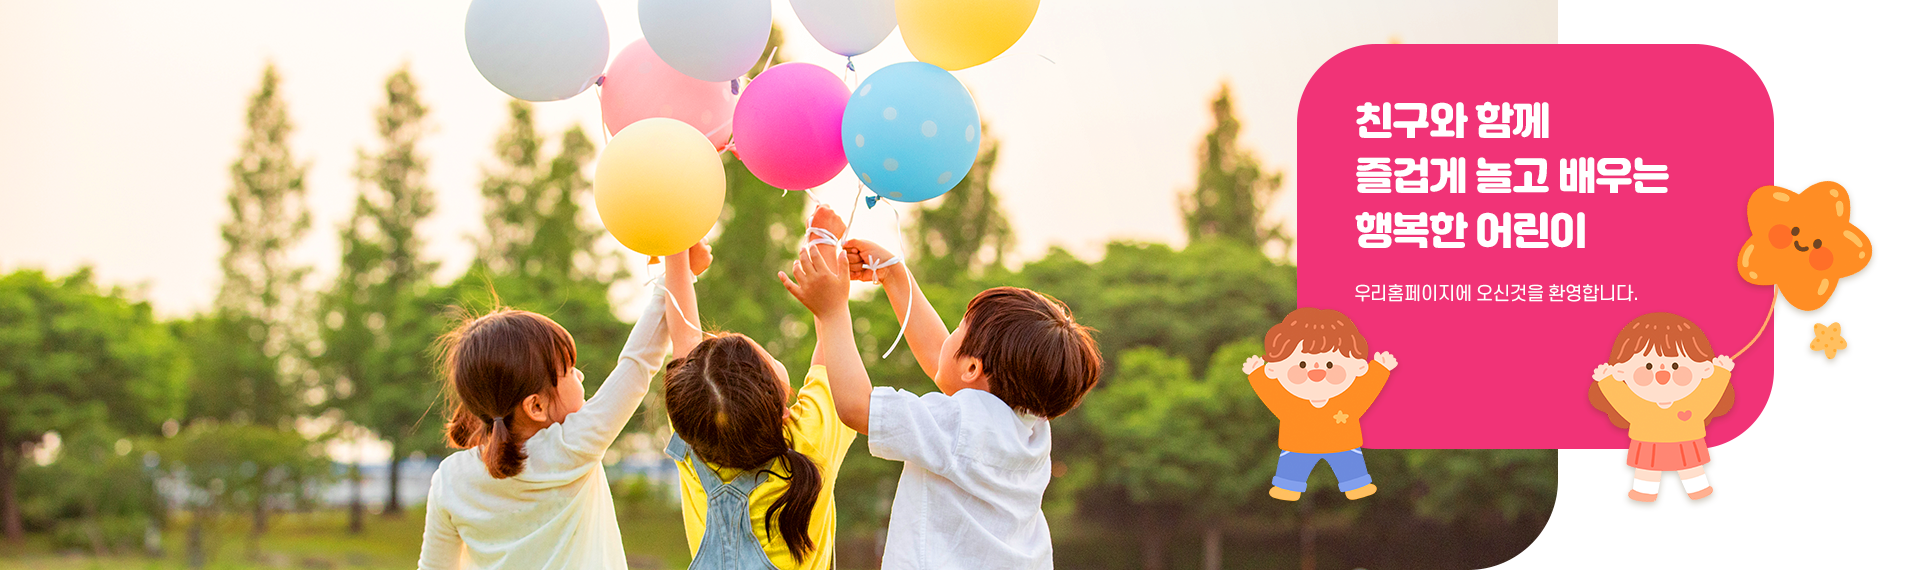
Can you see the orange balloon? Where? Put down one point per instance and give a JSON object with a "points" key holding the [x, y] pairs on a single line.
{"points": [[1803, 242]]}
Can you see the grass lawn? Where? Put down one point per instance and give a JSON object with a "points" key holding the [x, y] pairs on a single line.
{"points": [[319, 540]]}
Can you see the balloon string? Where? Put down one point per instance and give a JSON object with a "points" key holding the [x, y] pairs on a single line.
{"points": [[676, 302], [1763, 324], [898, 258], [606, 136]]}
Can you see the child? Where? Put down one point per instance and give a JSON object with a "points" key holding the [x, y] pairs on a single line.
{"points": [[978, 453], [1663, 384], [528, 490], [1316, 379], [756, 475]]}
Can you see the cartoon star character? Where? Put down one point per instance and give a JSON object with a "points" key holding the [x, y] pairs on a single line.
{"points": [[1802, 243]]}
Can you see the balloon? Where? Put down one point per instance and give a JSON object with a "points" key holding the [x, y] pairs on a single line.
{"points": [[709, 40], [911, 131], [958, 35], [538, 50], [846, 27], [659, 186], [640, 86], [787, 126]]}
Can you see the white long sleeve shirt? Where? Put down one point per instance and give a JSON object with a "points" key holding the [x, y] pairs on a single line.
{"points": [[558, 512], [970, 490]]}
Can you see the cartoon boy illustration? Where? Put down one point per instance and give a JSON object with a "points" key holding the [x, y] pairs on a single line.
{"points": [[1316, 378], [1663, 383]]}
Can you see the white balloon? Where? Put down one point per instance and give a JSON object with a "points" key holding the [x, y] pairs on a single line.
{"points": [[708, 40], [538, 50], [847, 27]]}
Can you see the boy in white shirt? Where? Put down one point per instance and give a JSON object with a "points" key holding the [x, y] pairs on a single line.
{"points": [[978, 453]]}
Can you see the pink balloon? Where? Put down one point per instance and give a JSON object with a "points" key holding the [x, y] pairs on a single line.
{"points": [[786, 128], [641, 86]]}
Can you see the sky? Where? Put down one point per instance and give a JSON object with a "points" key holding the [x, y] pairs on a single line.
{"points": [[119, 119]]}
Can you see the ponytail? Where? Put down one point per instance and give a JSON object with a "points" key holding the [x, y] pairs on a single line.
{"points": [[504, 456], [493, 363], [725, 400], [795, 507]]}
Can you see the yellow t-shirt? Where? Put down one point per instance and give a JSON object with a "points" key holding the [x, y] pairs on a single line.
{"points": [[813, 428], [1685, 420]]}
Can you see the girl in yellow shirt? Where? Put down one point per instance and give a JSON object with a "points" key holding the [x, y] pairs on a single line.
{"points": [[756, 474]]}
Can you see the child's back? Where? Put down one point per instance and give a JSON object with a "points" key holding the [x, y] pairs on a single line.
{"points": [[973, 475], [977, 455], [544, 503]]}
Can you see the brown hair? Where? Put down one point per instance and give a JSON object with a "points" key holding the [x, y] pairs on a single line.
{"points": [[725, 400], [1667, 334], [1315, 330], [1036, 358], [492, 363]]}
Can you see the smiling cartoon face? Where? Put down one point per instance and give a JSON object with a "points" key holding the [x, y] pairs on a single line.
{"points": [[1803, 243], [1662, 379], [1316, 376]]}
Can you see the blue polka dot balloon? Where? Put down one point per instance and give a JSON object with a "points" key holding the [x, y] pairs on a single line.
{"points": [[910, 131]]}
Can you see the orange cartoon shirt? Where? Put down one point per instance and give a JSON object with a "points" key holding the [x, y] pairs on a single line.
{"points": [[1332, 428], [1684, 420]]}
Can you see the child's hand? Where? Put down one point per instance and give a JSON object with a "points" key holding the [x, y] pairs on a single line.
{"points": [[1724, 361], [1602, 372], [1253, 363], [819, 282], [699, 257], [1386, 359], [862, 255], [827, 219]]}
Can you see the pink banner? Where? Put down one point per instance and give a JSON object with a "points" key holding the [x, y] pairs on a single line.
{"points": [[1498, 256]]}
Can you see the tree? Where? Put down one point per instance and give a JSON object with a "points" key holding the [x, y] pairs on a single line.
{"points": [[77, 360], [1490, 488], [223, 464], [1231, 197], [378, 323], [964, 230], [1178, 448], [540, 253], [262, 286], [1187, 302], [254, 345]]}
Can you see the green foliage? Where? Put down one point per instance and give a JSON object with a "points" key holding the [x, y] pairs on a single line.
{"points": [[96, 495], [1231, 197], [1484, 486], [76, 359], [541, 253], [1186, 302], [378, 324], [261, 292], [1165, 437], [239, 464]]}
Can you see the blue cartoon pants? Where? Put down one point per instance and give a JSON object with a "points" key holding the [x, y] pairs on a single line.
{"points": [[1350, 467]]}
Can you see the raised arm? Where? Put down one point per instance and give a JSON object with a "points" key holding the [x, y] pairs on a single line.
{"points": [[926, 332], [684, 316], [820, 283], [589, 431]]}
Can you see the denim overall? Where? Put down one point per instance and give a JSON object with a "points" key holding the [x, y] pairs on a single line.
{"points": [[729, 543]]}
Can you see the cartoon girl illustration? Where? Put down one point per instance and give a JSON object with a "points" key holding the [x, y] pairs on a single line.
{"points": [[1663, 383]]}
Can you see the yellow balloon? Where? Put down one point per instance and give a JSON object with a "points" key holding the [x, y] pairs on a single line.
{"points": [[659, 186], [960, 34]]}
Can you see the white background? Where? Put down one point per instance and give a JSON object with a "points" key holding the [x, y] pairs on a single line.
{"points": [[1824, 478]]}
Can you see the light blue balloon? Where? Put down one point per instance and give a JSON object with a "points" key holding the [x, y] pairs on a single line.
{"points": [[910, 131], [708, 40], [538, 50]]}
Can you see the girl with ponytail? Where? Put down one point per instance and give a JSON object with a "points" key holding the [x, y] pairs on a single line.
{"points": [[527, 489], [756, 473]]}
